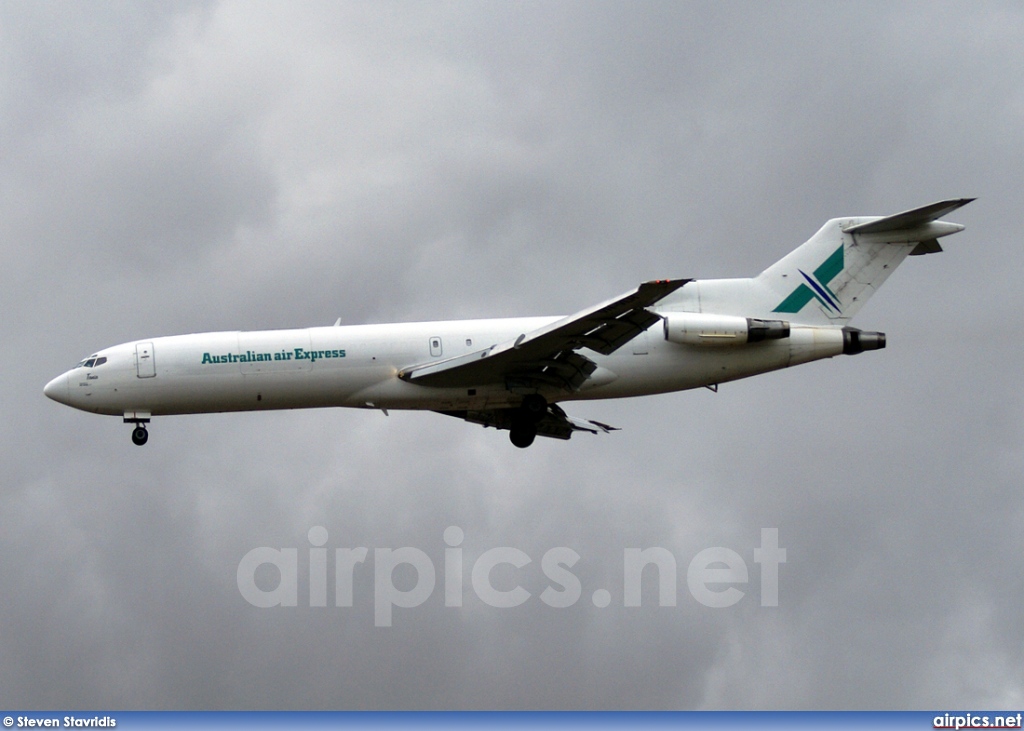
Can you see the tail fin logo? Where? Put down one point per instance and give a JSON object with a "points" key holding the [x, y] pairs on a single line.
{"points": [[816, 287]]}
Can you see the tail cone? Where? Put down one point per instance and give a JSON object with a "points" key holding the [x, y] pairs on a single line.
{"points": [[857, 341]]}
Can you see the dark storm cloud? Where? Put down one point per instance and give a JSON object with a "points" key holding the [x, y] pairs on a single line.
{"points": [[187, 167]]}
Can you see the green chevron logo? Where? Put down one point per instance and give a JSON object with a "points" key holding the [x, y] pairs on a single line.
{"points": [[816, 287]]}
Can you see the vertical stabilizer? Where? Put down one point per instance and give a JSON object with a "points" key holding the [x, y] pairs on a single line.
{"points": [[828, 279]]}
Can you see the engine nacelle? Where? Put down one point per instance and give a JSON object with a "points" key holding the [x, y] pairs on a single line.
{"points": [[698, 328]]}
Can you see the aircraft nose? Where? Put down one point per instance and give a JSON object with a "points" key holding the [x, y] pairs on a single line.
{"points": [[57, 389]]}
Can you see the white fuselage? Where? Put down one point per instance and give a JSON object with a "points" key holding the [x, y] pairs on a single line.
{"points": [[359, 366]]}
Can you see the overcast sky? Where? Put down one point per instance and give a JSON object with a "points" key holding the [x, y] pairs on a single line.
{"points": [[184, 167]]}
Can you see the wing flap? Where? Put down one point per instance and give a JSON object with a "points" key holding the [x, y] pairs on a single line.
{"points": [[567, 370], [555, 424]]}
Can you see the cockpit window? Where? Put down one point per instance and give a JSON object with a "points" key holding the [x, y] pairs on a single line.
{"points": [[90, 362], [100, 361]]}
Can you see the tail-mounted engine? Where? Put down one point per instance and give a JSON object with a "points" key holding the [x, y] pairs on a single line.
{"points": [[697, 328]]}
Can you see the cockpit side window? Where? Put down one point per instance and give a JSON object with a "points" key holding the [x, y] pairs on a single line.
{"points": [[90, 363], [100, 361]]}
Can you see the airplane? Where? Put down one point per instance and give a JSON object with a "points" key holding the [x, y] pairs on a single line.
{"points": [[666, 335]]}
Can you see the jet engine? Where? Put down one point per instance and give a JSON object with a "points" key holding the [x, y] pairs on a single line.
{"points": [[698, 328]]}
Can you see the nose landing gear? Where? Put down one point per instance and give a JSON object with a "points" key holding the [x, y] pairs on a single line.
{"points": [[140, 435]]}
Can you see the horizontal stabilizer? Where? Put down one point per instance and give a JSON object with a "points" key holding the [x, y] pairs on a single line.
{"points": [[829, 278], [908, 219]]}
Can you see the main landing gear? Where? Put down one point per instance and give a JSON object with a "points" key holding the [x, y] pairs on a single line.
{"points": [[524, 422], [140, 435]]}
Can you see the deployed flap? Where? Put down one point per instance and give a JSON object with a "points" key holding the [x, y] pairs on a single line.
{"points": [[555, 423], [546, 356], [909, 219]]}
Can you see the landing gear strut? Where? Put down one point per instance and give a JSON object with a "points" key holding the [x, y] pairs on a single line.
{"points": [[524, 423]]}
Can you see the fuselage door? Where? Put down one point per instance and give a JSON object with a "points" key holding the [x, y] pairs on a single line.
{"points": [[145, 362]]}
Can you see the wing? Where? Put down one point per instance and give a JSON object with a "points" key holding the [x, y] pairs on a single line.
{"points": [[555, 423], [547, 357]]}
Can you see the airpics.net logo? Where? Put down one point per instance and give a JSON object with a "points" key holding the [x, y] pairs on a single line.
{"points": [[713, 576]]}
